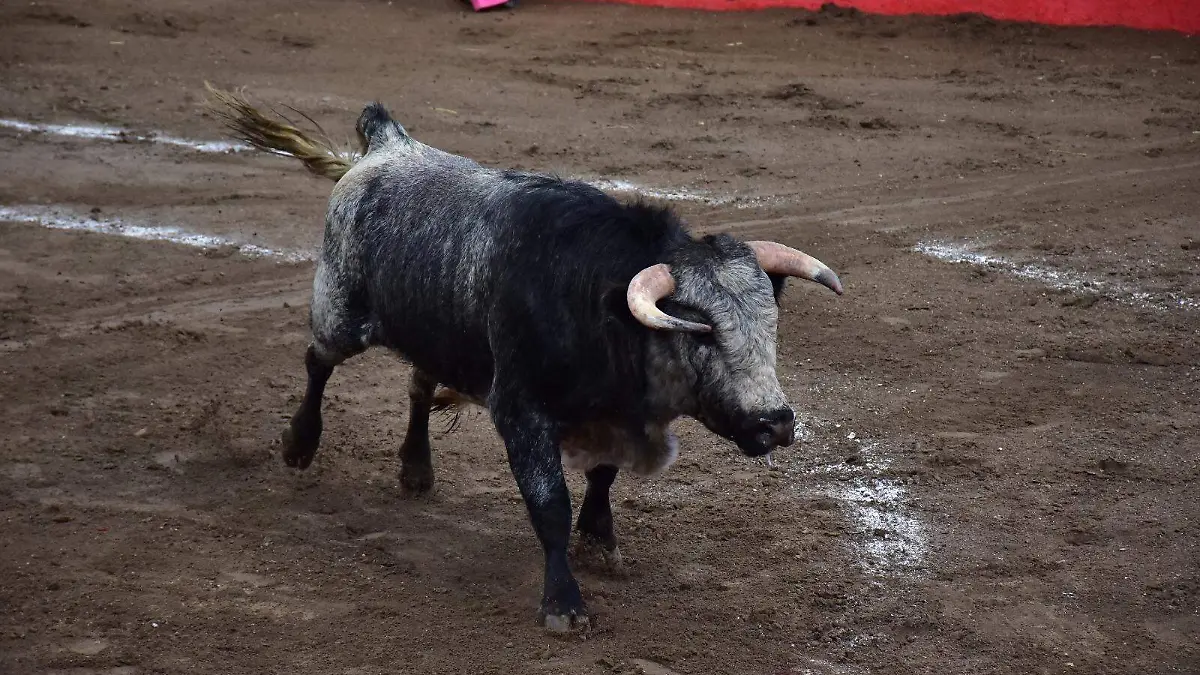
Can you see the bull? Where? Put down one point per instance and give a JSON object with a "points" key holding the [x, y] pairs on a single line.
{"points": [[582, 324]]}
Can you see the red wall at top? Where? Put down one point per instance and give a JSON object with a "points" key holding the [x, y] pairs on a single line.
{"points": [[1179, 15]]}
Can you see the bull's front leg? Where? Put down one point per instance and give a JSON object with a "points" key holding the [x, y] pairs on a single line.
{"points": [[597, 541], [533, 456]]}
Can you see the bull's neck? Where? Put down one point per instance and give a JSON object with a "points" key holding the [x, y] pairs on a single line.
{"points": [[670, 383]]}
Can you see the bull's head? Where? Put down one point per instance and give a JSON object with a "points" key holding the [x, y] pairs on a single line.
{"points": [[720, 297]]}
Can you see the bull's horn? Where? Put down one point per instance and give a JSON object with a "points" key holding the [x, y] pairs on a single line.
{"points": [[776, 258], [648, 287]]}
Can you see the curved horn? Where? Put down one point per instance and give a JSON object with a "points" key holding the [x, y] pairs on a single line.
{"points": [[779, 259], [648, 287]]}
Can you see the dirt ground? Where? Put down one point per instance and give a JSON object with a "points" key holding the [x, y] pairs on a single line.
{"points": [[1000, 464]]}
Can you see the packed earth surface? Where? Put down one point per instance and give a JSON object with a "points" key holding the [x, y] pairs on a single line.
{"points": [[998, 465]]}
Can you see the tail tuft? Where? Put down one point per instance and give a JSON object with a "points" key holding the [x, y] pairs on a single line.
{"points": [[320, 155], [451, 403], [449, 399]]}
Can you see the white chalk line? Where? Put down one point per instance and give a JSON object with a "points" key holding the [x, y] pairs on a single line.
{"points": [[891, 538], [65, 218], [670, 194], [1060, 279], [682, 194], [121, 135]]}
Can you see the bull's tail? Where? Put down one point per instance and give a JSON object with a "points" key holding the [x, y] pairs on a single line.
{"points": [[447, 399], [452, 403], [319, 154]]}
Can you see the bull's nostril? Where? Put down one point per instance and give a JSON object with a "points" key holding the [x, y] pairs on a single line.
{"points": [[773, 426], [778, 425]]}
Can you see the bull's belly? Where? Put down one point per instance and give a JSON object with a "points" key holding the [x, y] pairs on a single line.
{"points": [[462, 364], [598, 444]]}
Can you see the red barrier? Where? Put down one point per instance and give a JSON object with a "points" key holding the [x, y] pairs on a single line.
{"points": [[1179, 15]]}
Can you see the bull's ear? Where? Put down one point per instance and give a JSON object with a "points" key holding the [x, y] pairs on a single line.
{"points": [[778, 283]]}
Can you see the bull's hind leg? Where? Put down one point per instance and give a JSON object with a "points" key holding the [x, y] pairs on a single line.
{"points": [[339, 332], [416, 458], [303, 435], [597, 541]]}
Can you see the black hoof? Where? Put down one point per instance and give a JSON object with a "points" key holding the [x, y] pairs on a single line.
{"points": [[562, 609], [298, 450], [416, 478], [574, 621], [598, 555]]}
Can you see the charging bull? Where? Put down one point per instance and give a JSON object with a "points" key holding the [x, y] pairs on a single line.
{"points": [[583, 325]]}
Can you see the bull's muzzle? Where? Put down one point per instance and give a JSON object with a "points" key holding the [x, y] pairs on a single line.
{"points": [[768, 431]]}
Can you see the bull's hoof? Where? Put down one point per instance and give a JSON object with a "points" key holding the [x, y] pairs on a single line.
{"points": [[562, 610], [576, 621], [298, 449], [599, 556], [416, 479]]}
